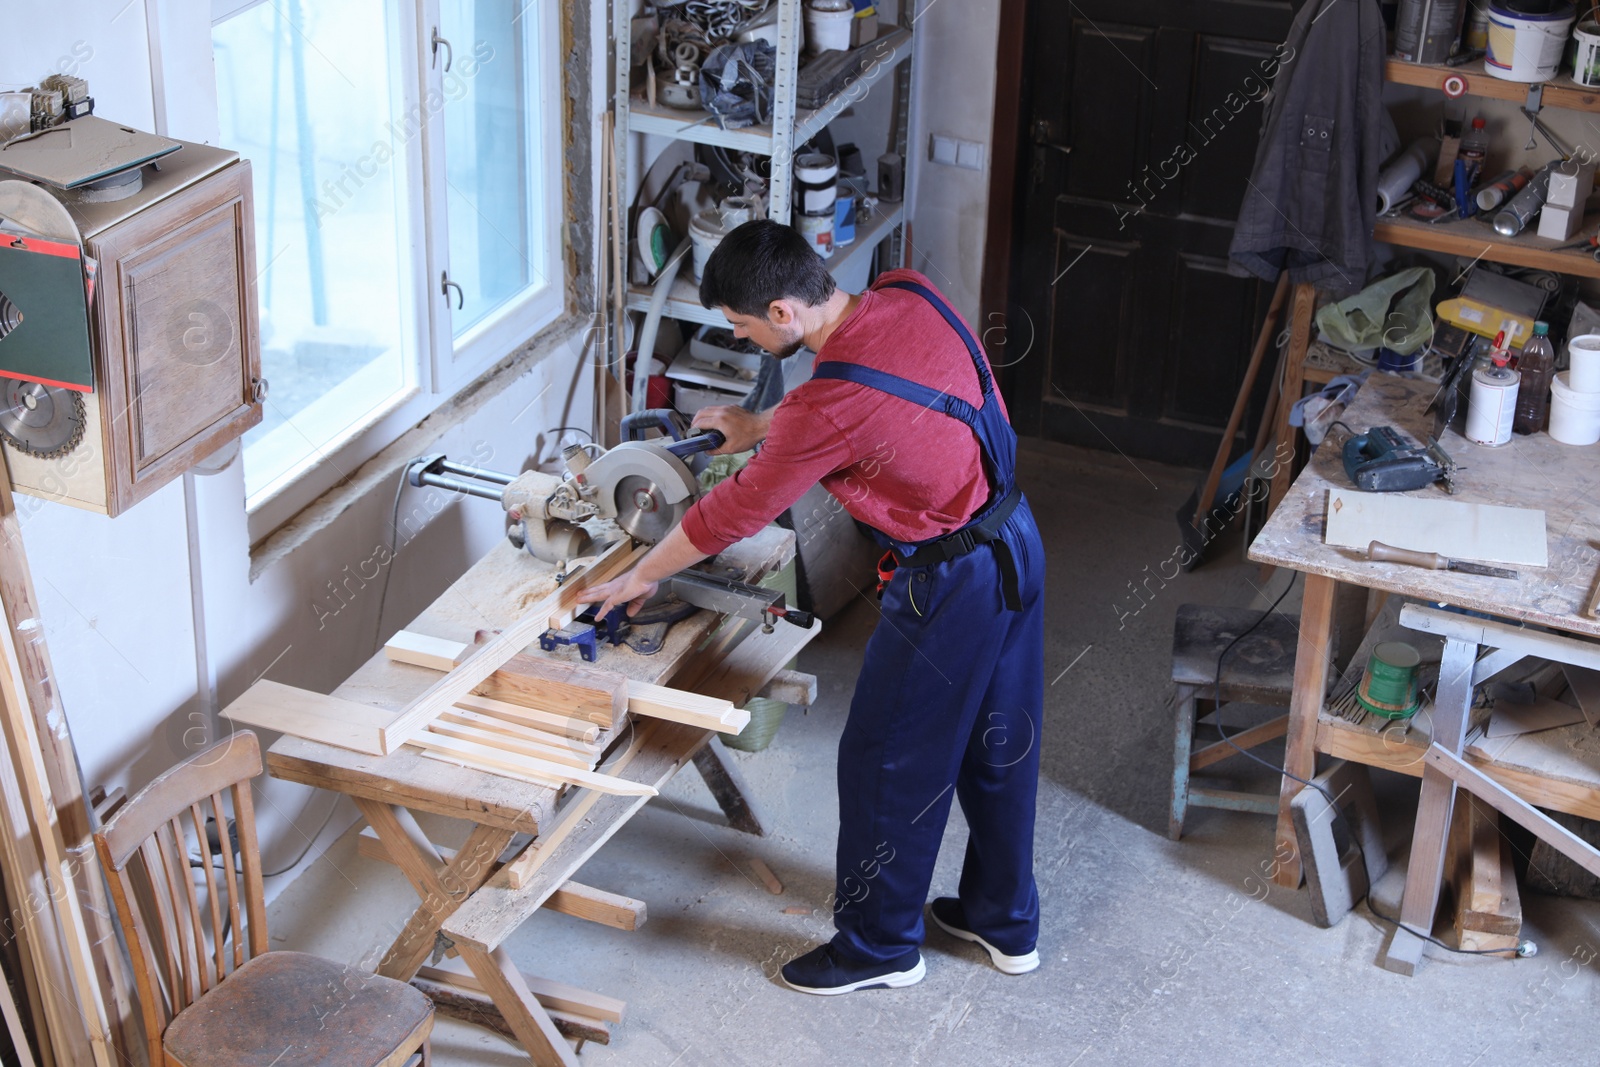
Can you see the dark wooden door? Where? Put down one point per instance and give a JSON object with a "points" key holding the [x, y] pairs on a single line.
{"points": [[1141, 120]]}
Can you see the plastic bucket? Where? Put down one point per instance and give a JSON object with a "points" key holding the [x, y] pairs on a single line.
{"points": [[1574, 417], [1527, 39], [1586, 66], [1583, 355], [707, 229], [829, 31]]}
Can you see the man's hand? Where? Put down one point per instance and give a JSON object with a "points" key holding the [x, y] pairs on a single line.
{"points": [[630, 589], [743, 429]]}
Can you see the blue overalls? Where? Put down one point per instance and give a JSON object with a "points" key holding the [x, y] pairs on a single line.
{"points": [[949, 704]]}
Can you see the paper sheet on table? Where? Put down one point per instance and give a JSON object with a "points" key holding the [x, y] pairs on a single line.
{"points": [[1484, 532], [1510, 719]]}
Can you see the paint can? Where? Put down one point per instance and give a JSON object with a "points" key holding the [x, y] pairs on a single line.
{"points": [[1494, 405], [1586, 64], [1425, 31], [816, 183], [1389, 685], [1574, 416], [707, 229], [1528, 38], [1583, 356], [828, 24], [818, 232]]}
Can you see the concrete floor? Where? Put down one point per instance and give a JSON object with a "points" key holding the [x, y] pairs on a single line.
{"points": [[1154, 951]]}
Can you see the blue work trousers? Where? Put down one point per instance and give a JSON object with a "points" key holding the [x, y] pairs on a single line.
{"points": [[949, 705]]}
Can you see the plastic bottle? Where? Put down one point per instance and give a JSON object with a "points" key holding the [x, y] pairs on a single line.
{"points": [[1475, 149], [1538, 366]]}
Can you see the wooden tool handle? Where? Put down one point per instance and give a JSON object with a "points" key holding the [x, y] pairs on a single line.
{"points": [[1379, 552]]}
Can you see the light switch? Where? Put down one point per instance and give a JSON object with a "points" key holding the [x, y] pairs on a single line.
{"points": [[956, 153], [969, 154], [944, 150]]}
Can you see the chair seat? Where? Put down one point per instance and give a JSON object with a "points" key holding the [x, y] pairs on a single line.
{"points": [[1260, 668], [290, 1009]]}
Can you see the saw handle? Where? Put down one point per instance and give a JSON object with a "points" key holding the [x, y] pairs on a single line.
{"points": [[1379, 552]]}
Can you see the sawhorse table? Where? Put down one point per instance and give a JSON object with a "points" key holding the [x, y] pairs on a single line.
{"points": [[468, 905]]}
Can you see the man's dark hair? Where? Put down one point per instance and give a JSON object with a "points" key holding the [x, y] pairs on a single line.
{"points": [[760, 262]]}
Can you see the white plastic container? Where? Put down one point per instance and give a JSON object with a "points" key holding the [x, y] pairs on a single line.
{"points": [[1574, 417], [1586, 66], [1493, 407], [1527, 47], [707, 229], [828, 25], [1583, 356]]}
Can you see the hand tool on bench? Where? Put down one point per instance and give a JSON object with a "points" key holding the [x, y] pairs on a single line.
{"points": [[1379, 552]]}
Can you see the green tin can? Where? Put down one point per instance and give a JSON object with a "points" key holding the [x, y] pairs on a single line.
{"points": [[1389, 688]]}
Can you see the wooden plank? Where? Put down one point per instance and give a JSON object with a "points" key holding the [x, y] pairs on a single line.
{"points": [[1477, 239], [727, 790], [577, 729], [1514, 807], [454, 1002], [558, 996], [1451, 528], [576, 690], [421, 650], [755, 661], [13, 1020], [554, 611], [1561, 92], [497, 909], [313, 716], [573, 898], [457, 725], [473, 754], [535, 735], [691, 709], [1221, 750], [1489, 902], [1301, 313]]}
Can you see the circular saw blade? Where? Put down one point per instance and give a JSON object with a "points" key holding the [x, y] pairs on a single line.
{"points": [[41, 420], [643, 511]]}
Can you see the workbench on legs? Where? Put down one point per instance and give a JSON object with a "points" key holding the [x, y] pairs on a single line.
{"points": [[472, 899], [1544, 612]]}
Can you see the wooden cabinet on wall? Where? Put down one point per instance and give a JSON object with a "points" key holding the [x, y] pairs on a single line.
{"points": [[177, 355]]}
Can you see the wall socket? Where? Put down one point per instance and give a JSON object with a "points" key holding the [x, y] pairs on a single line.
{"points": [[956, 153]]}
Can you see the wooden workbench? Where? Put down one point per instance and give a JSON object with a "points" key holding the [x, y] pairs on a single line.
{"points": [[1557, 769], [467, 904]]}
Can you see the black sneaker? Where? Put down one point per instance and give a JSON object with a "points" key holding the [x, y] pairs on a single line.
{"points": [[948, 914], [828, 973]]}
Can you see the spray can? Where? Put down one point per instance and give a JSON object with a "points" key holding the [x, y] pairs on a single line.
{"points": [[1494, 194], [1426, 31], [1515, 216]]}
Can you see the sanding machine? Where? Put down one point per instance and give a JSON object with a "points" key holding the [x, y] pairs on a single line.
{"points": [[646, 486]]}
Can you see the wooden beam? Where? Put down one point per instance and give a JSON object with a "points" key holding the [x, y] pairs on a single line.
{"points": [[313, 716], [532, 1024], [578, 729], [555, 611], [463, 726], [473, 754], [1514, 807], [573, 898], [576, 690], [1221, 750], [1312, 658], [557, 996], [421, 650], [691, 709], [455, 1002]]}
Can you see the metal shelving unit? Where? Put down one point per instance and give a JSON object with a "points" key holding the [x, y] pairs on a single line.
{"points": [[790, 128]]}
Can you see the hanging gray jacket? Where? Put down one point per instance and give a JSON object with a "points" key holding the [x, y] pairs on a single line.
{"points": [[1313, 196]]}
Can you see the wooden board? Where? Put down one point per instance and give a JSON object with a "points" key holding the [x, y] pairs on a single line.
{"points": [[575, 690], [424, 651], [555, 995], [473, 754], [554, 611], [1451, 528], [1488, 904], [579, 730], [313, 716]]}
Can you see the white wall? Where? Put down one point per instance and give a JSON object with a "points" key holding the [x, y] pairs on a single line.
{"points": [[116, 594]]}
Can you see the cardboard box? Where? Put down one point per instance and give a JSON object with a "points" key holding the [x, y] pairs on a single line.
{"points": [[1558, 223], [1571, 185], [864, 30]]}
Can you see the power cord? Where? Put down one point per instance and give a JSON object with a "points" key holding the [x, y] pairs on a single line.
{"points": [[1522, 950]]}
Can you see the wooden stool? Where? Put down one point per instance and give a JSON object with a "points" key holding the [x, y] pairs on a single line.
{"points": [[1259, 670]]}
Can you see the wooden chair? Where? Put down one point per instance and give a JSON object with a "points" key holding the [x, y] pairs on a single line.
{"points": [[210, 993], [1259, 670]]}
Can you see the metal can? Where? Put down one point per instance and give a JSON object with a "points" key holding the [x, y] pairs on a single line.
{"points": [[1426, 31]]}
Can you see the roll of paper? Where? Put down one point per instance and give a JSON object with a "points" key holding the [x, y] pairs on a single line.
{"points": [[1395, 180]]}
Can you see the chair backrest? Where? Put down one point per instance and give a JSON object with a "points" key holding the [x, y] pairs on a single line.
{"points": [[184, 941]]}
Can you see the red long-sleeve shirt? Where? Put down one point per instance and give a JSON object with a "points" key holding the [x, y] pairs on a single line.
{"points": [[913, 473]]}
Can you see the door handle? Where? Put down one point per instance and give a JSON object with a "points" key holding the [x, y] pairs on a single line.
{"points": [[449, 52], [1044, 135], [445, 285]]}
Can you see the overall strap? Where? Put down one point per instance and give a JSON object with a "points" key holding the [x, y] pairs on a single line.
{"points": [[978, 361], [896, 386]]}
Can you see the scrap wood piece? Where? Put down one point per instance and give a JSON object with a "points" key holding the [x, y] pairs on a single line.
{"points": [[537, 735], [457, 1002], [462, 727], [554, 611], [313, 716], [764, 872], [1488, 904], [577, 690], [484, 757], [424, 651], [557, 995]]}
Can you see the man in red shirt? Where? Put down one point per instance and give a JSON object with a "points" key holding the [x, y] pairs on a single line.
{"points": [[902, 423]]}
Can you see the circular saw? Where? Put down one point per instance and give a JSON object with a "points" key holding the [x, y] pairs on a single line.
{"points": [[42, 420]]}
